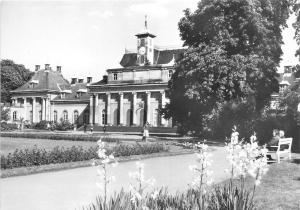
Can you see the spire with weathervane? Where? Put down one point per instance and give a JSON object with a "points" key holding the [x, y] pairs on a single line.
{"points": [[145, 46]]}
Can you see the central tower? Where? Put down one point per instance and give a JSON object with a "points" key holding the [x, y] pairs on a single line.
{"points": [[145, 46]]}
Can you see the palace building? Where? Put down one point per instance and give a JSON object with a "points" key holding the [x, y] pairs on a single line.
{"points": [[127, 96], [132, 95], [49, 96]]}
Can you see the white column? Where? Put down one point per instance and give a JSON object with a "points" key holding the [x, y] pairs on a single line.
{"points": [[97, 117], [121, 109], [148, 106], [108, 108], [25, 109], [134, 108], [91, 109], [33, 109], [163, 104], [47, 108], [43, 109], [52, 111]]}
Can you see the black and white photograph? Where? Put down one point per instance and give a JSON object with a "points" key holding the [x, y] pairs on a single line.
{"points": [[150, 104]]}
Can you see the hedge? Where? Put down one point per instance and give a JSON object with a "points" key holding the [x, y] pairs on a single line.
{"points": [[59, 136], [38, 156]]}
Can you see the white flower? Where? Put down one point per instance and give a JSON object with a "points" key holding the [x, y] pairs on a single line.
{"points": [[106, 160], [192, 167], [154, 194]]}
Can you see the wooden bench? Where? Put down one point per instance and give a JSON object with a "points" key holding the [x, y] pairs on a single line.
{"points": [[283, 148]]}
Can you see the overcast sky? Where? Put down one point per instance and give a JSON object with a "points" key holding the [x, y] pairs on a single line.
{"points": [[87, 37]]}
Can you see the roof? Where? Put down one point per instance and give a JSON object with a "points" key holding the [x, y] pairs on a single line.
{"points": [[73, 96], [161, 57], [44, 80]]}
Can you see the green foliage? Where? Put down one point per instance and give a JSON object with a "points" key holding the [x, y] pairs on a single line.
{"points": [[8, 126], [234, 48], [38, 156], [63, 126], [4, 113], [58, 136], [220, 198], [12, 76], [296, 25], [41, 125]]}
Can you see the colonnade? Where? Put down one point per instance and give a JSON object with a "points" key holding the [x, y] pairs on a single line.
{"points": [[95, 111], [45, 108]]}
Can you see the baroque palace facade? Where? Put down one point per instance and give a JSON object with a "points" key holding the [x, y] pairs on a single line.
{"points": [[127, 96], [132, 95]]}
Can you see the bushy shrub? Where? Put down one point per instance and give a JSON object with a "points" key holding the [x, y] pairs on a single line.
{"points": [[38, 156], [58, 136], [41, 125], [64, 126], [8, 126]]}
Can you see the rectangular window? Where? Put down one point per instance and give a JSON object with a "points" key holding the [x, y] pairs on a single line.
{"points": [[115, 76]]}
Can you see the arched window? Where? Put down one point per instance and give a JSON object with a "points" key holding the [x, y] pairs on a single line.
{"points": [[31, 116], [76, 116], [65, 115], [14, 115], [40, 115], [104, 117], [170, 73], [55, 116], [86, 117]]}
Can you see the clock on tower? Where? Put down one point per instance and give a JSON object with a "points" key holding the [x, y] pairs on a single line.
{"points": [[145, 46]]}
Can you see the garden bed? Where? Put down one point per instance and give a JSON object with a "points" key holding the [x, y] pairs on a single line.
{"points": [[71, 165], [59, 136]]}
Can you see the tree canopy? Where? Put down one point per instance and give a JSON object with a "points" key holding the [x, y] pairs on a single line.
{"points": [[234, 49], [12, 76], [297, 25]]}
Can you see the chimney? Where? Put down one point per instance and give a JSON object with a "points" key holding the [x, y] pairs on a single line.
{"points": [[58, 69], [80, 80], [47, 66], [105, 78], [73, 81], [37, 67], [89, 79]]}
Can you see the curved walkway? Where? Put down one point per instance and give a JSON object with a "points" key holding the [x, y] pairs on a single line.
{"points": [[75, 188]]}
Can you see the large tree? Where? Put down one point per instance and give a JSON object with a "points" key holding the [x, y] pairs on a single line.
{"points": [[234, 49], [297, 25], [12, 76]]}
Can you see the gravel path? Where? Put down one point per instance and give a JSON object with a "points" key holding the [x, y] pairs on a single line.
{"points": [[75, 188]]}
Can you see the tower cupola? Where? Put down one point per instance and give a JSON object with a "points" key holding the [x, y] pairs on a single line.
{"points": [[145, 46]]}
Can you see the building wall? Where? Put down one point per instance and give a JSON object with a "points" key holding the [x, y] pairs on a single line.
{"points": [[70, 108], [139, 75]]}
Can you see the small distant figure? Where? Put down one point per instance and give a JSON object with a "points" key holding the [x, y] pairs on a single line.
{"points": [[275, 139], [104, 128], [145, 132], [91, 129], [84, 127], [48, 126]]}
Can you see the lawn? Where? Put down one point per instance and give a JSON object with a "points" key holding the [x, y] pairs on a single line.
{"points": [[280, 188], [9, 145]]}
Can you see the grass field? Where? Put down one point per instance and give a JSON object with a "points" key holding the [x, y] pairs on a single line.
{"points": [[9, 145], [280, 188]]}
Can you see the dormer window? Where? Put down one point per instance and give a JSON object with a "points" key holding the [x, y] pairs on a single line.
{"points": [[33, 83], [170, 73], [115, 76], [63, 95]]}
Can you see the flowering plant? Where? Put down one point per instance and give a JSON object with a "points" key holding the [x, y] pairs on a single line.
{"points": [[246, 158], [102, 168], [201, 170], [138, 191]]}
